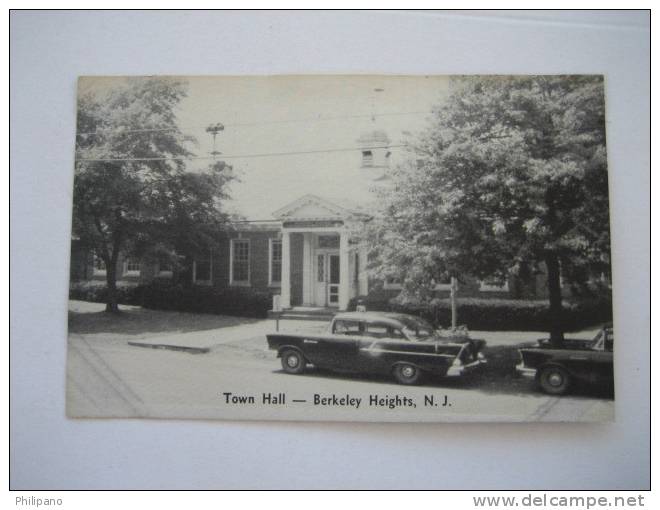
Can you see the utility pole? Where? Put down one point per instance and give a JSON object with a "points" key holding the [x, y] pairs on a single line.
{"points": [[452, 293], [373, 104], [214, 129]]}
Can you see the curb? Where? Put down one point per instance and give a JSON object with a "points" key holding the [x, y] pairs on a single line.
{"points": [[191, 350]]}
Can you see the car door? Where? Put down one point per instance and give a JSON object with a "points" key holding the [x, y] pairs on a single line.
{"points": [[336, 349], [373, 344]]}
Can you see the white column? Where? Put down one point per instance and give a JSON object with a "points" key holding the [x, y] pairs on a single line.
{"points": [[307, 269], [363, 276], [344, 277], [286, 271]]}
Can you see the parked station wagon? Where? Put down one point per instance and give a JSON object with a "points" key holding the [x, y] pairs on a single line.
{"points": [[404, 346], [556, 369]]}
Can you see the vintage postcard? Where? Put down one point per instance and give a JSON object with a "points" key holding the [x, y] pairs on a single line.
{"points": [[341, 248]]}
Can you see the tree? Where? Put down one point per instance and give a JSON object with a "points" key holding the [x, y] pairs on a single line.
{"points": [[132, 192], [510, 177]]}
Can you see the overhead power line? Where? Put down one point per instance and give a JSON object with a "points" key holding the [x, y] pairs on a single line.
{"points": [[238, 156], [261, 123]]}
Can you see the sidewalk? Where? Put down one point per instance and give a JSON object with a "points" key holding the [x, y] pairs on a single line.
{"points": [[200, 333], [204, 341]]}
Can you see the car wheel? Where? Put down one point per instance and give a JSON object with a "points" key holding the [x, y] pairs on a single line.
{"points": [[293, 361], [554, 380], [406, 373]]}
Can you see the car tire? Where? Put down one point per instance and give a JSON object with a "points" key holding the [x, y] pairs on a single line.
{"points": [[554, 380], [405, 373], [293, 362]]}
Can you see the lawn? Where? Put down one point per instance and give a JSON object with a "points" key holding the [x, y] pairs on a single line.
{"points": [[90, 318]]}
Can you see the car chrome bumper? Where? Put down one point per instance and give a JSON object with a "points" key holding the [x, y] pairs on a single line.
{"points": [[455, 371], [524, 371]]}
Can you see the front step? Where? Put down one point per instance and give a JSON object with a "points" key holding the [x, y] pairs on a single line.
{"points": [[296, 317]]}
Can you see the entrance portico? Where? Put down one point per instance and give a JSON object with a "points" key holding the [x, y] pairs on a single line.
{"points": [[331, 265]]}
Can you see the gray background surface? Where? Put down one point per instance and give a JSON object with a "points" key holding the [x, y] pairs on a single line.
{"points": [[48, 52]]}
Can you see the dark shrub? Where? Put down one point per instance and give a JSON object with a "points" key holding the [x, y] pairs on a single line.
{"points": [[205, 299], [497, 314], [97, 292], [159, 295]]}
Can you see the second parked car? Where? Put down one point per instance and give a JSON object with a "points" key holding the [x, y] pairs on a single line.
{"points": [[557, 369]]}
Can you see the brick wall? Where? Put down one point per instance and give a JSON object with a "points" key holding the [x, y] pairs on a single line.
{"points": [[82, 268], [221, 263]]}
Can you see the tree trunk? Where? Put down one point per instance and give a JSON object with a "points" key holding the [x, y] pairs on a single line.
{"points": [[111, 304], [111, 274], [554, 290]]}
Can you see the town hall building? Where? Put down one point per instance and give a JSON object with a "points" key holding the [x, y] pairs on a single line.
{"points": [[304, 253]]}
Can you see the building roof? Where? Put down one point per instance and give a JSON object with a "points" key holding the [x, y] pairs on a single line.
{"points": [[377, 137], [312, 206]]}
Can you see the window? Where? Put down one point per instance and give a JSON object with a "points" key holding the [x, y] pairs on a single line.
{"points": [[377, 331], [344, 327], [329, 242], [356, 276], [240, 262], [416, 328], [99, 265], [367, 158], [493, 286], [165, 267], [275, 264], [203, 268], [392, 283], [444, 284], [131, 267]]}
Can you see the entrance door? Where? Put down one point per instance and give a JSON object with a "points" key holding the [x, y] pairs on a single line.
{"points": [[320, 291], [326, 286], [333, 280]]}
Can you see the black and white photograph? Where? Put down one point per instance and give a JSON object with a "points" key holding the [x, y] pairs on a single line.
{"points": [[380, 248], [330, 250]]}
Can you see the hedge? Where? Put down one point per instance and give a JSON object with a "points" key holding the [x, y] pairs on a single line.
{"points": [[97, 292], [191, 298], [204, 299], [497, 314]]}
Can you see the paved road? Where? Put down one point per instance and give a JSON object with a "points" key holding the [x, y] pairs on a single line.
{"points": [[109, 378]]}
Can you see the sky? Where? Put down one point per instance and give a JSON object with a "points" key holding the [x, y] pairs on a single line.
{"points": [[276, 114]]}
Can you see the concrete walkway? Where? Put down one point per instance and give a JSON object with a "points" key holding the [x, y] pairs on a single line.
{"points": [[200, 333]]}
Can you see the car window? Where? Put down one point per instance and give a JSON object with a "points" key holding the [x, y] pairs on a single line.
{"points": [[417, 329], [375, 330], [603, 341], [378, 330], [344, 327]]}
